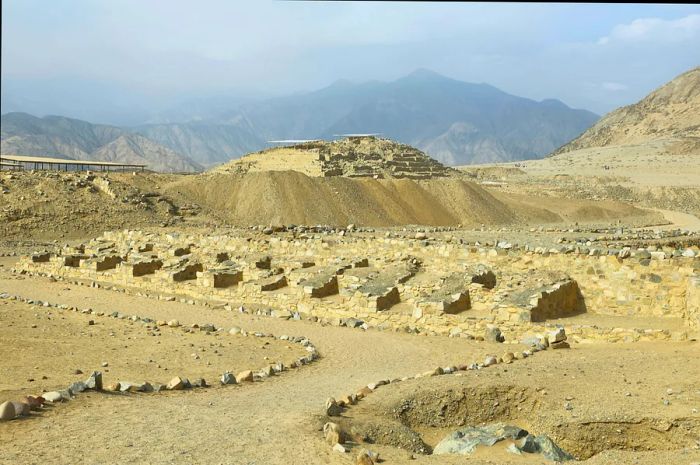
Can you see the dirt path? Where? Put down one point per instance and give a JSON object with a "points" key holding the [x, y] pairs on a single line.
{"points": [[679, 220], [265, 423], [276, 421]]}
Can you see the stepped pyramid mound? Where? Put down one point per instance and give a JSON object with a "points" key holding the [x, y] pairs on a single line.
{"points": [[365, 156], [668, 118]]}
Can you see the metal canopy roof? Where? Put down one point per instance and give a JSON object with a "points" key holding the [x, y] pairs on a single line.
{"points": [[64, 161]]}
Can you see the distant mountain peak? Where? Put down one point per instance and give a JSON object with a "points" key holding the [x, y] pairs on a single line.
{"points": [[424, 74], [554, 103]]}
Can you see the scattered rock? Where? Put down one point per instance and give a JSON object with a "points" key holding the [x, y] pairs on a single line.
{"points": [[52, 396], [332, 433], [228, 378], [7, 411], [493, 334], [176, 384], [332, 408], [94, 381], [544, 445], [366, 457], [558, 335], [77, 387], [34, 403], [21, 408], [559, 345], [246, 375], [340, 448]]}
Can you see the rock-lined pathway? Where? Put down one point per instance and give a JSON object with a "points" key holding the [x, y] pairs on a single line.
{"points": [[266, 424]]}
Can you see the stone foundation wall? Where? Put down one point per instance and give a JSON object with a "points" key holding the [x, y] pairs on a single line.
{"points": [[692, 306], [609, 285]]}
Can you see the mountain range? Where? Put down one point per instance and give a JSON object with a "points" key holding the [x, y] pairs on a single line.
{"points": [[61, 137], [453, 121]]}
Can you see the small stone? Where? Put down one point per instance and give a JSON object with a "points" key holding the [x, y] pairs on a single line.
{"points": [[173, 323], [114, 387], [22, 409], [34, 403], [176, 384], [77, 387], [332, 408], [7, 411], [332, 433], [558, 335], [52, 396], [246, 375], [94, 381], [559, 345], [228, 378], [199, 383], [339, 448], [366, 457], [493, 334], [490, 360], [91, 322], [104, 364]]}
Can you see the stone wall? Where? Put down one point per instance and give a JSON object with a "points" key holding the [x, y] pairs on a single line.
{"points": [[608, 284]]}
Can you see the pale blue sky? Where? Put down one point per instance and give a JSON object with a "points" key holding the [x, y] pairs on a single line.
{"points": [[589, 56]]}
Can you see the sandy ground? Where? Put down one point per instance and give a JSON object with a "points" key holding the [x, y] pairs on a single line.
{"points": [[276, 421], [629, 391], [640, 164], [679, 220], [49, 345]]}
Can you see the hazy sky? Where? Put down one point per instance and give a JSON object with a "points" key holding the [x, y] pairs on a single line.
{"points": [[589, 56]]}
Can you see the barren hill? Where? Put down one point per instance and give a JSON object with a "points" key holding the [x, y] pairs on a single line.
{"points": [[60, 137], [349, 157], [669, 116], [132, 148]]}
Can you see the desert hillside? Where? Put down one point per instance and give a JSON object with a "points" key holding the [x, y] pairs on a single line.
{"points": [[60, 137], [670, 115]]}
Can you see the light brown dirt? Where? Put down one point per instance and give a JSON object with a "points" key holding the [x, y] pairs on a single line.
{"points": [[276, 421], [294, 198], [48, 345]]}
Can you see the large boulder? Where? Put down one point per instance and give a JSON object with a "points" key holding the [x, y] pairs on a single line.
{"points": [[465, 440]]}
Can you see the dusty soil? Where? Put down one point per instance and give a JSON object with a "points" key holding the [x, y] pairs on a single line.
{"points": [[50, 205], [640, 175], [278, 419], [634, 415], [48, 345]]}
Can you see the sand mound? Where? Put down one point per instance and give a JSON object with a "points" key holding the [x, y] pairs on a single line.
{"points": [[290, 197]]}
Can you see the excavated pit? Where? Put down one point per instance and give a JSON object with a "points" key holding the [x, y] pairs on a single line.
{"points": [[418, 421]]}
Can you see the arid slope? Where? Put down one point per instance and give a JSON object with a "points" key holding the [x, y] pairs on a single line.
{"points": [[670, 114]]}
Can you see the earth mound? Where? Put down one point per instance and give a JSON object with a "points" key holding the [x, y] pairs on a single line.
{"points": [[290, 197], [366, 156]]}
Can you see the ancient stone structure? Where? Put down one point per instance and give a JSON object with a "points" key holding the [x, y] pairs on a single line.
{"points": [[438, 286], [366, 156]]}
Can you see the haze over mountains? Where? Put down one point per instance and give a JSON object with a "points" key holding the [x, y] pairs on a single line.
{"points": [[455, 122], [60, 137]]}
